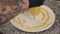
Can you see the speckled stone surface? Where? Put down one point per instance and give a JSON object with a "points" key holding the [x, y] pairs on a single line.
{"points": [[8, 28]]}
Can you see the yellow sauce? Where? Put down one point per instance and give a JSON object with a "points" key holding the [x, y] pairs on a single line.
{"points": [[34, 11], [19, 22], [46, 21]]}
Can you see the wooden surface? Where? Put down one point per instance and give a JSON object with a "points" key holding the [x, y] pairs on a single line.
{"points": [[8, 28]]}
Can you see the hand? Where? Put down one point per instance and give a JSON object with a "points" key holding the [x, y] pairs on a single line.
{"points": [[11, 8]]}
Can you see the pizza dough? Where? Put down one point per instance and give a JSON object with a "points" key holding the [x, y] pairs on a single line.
{"points": [[35, 19]]}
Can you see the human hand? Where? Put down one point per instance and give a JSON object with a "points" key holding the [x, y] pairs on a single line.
{"points": [[11, 8]]}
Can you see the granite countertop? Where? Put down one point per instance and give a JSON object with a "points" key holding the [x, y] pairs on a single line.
{"points": [[8, 28]]}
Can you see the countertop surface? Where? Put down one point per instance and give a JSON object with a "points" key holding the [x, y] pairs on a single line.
{"points": [[8, 28]]}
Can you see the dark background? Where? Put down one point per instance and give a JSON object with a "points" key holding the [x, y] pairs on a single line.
{"points": [[34, 3]]}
